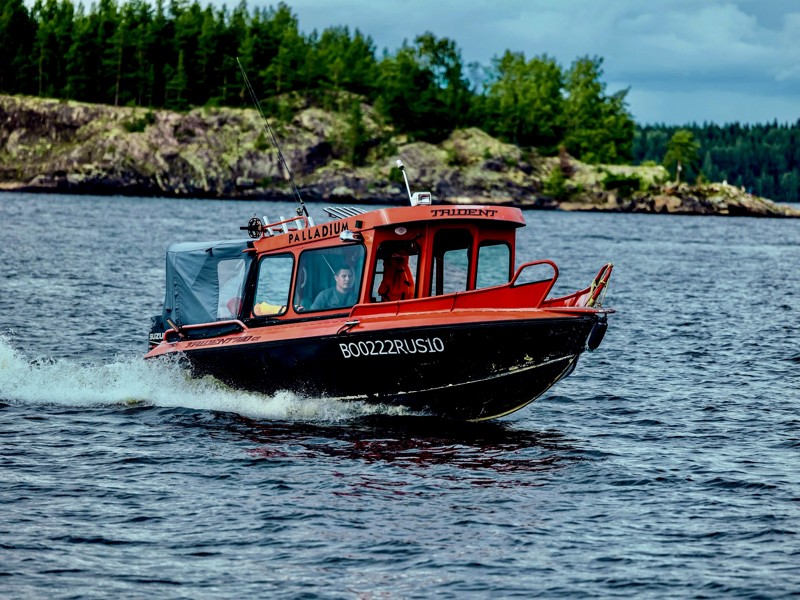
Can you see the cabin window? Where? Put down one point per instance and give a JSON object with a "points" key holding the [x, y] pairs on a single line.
{"points": [[494, 264], [451, 248], [273, 284], [329, 278], [231, 275], [396, 272]]}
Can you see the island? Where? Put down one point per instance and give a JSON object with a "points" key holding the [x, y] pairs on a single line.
{"points": [[50, 145]]}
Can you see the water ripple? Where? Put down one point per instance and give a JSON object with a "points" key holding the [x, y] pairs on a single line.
{"points": [[665, 466]]}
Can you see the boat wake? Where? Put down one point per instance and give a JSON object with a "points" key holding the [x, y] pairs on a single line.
{"points": [[129, 380]]}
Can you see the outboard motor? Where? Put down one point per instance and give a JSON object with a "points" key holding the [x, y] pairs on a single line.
{"points": [[157, 329]]}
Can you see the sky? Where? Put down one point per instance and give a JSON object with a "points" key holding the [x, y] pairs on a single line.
{"points": [[683, 61]]}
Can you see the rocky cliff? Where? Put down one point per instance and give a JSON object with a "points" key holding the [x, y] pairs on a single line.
{"points": [[52, 145]]}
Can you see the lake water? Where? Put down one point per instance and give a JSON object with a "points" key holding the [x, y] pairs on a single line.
{"points": [[666, 465]]}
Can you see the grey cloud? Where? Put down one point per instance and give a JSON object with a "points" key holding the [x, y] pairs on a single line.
{"points": [[715, 50]]}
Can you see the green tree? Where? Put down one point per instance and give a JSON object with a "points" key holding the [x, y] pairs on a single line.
{"points": [[790, 185], [138, 17], [160, 54], [82, 67], [278, 50], [356, 138], [127, 52], [442, 58], [682, 152], [556, 184], [741, 154], [599, 128], [177, 85], [208, 55], [106, 64], [231, 38], [422, 88], [341, 61], [17, 31], [52, 42], [188, 23], [404, 90], [524, 103]]}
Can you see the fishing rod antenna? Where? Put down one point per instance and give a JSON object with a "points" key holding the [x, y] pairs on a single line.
{"points": [[301, 209], [417, 198], [402, 168]]}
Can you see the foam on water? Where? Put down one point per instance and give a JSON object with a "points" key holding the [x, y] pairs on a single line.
{"points": [[665, 466], [131, 379]]}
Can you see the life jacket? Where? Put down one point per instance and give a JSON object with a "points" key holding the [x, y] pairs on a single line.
{"points": [[397, 282], [264, 308]]}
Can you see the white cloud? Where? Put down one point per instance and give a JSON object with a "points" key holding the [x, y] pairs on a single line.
{"points": [[670, 50]]}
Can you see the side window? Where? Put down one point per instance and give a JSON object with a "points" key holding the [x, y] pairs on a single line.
{"points": [[396, 272], [231, 275], [494, 264], [450, 273], [272, 286], [329, 278]]}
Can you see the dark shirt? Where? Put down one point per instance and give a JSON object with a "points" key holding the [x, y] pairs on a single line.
{"points": [[331, 298]]}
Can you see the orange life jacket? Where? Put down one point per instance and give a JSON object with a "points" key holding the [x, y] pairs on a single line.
{"points": [[397, 282]]}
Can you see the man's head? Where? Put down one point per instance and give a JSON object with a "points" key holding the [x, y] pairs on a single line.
{"points": [[343, 279]]}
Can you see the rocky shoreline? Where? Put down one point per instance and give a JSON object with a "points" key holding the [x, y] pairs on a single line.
{"points": [[71, 147]]}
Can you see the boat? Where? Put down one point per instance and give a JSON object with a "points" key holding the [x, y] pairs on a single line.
{"points": [[419, 306]]}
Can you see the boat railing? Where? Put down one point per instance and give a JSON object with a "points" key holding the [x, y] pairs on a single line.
{"points": [[589, 297], [257, 228], [534, 263], [202, 330], [512, 295]]}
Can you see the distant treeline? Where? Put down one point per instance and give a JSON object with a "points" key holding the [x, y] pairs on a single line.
{"points": [[764, 159], [179, 55]]}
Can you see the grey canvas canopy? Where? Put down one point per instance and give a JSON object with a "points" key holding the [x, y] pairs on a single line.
{"points": [[205, 281]]}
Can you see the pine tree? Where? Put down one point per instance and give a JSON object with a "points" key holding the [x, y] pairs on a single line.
{"points": [[356, 136], [81, 59], [598, 127], [52, 42], [682, 152], [177, 87], [524, 101], [17, 32]]}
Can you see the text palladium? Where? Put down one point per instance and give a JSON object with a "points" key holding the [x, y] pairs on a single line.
{"points": [[318, 232]]}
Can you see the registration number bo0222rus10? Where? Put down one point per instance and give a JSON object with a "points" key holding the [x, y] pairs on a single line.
{"points": [[391, 347]]}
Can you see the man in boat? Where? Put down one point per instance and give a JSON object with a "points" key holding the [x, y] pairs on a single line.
{"points": [[340, 295]]}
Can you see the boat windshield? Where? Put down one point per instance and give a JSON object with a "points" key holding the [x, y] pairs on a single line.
{"points": [[329, 278], [272, 286]]}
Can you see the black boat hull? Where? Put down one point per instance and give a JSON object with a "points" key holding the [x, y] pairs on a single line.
{"points": [[464, 371]]}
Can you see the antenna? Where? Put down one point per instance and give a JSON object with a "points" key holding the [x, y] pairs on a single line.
{"points": [[403, 171], [417, 198], [302, 208]]}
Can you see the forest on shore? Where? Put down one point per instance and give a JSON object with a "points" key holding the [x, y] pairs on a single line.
{"points": [[178, 55], [762, 158]]}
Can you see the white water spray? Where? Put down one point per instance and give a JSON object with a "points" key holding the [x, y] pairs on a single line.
{"points": [[132, 380]]}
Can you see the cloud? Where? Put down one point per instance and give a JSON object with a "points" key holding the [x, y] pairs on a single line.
{"points": [[742, 50]]}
